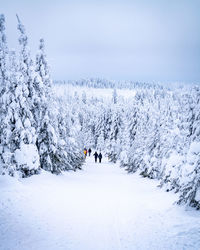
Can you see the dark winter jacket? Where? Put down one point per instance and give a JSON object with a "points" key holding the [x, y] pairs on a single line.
{"points": [[95, 155], [100, 156]]}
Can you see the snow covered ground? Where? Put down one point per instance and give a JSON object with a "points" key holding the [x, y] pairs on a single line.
{"points": [[64, 90], [100, 207]]}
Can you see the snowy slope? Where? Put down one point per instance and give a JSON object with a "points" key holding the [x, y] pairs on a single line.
{"points": [[100, 207]]}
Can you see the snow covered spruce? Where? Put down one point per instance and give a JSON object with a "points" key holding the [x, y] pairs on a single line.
{"points": [[31, 136]]}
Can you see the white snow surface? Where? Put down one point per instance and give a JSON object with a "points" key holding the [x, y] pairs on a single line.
{"points": [[100, 207], [63, 90]]}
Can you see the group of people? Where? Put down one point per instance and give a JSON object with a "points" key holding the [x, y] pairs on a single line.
{"points": [[85, 151], [96, 155]]}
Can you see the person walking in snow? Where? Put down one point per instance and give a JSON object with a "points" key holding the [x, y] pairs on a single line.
{"points": [[100, 157], [95, 156], [89, 151], [85, 152]]}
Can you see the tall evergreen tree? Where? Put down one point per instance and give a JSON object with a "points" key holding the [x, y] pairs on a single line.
{"points": [[4, 78], [3, 56], [113, 144], [17, 134]]}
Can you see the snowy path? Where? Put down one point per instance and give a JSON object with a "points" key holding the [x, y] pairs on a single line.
{"points": [[99, 208]]}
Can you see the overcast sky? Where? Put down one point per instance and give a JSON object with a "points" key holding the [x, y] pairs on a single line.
{"points": [[144, 40]]}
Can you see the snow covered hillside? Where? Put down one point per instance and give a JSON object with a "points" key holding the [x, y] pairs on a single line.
{"points": [[100, 207]]}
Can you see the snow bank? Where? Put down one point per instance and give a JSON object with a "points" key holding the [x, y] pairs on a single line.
{"points": [[8, 182], [27, 157]]}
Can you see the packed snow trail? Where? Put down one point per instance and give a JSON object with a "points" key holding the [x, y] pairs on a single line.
{"points": [[98, 208]]}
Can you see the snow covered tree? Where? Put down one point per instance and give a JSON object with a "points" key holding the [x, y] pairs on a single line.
{"points": [[114, 96], [27, 78], [84, 97], [26, 63], [47, 140], [54, 144], [190, 174], [113, 148], [26, 71], [3, 70], [100, 141], [3, 56], [100, 127], [125, 141], [19, 152]]}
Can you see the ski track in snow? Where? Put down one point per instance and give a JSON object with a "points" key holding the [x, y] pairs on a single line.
{"points": [[98, 208]]}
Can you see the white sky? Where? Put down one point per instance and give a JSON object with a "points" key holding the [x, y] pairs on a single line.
{"points": [[144, 40]]}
